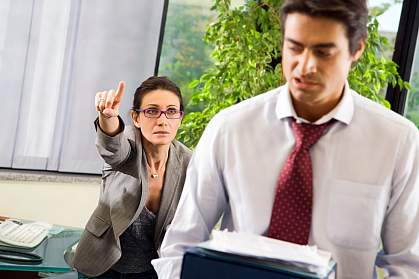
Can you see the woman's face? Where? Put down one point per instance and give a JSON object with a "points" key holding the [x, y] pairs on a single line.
{"points": [[159, 130]]}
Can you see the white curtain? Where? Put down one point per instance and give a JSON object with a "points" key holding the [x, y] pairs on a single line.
{"points": [[54, 56]]}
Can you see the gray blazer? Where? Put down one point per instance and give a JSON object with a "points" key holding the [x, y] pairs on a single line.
{"points": [[123, 195]]}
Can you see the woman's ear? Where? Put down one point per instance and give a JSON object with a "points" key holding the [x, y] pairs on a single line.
{"points": [[135, 119]]}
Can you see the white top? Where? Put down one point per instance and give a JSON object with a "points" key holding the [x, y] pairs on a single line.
{"points": [[365, 183]]}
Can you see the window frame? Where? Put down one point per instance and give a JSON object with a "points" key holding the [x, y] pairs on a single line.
{"points": [[161, 36], [404, 52]]}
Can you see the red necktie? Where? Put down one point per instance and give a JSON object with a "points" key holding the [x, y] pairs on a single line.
{"points": [[291, 213]]}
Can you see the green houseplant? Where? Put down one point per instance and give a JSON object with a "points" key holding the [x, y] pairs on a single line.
{"points": [[246, 55]]}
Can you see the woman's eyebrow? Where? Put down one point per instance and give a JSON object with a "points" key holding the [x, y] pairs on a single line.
{"points": [[158, 106]]}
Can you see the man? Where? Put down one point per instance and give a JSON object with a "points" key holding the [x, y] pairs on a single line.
{"points": [[360, 178]]}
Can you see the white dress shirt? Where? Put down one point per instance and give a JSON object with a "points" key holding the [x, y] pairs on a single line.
{"points": [[365, 183]]}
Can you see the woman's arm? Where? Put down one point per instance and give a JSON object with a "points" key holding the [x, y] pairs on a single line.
{"points": [[113, 145]]}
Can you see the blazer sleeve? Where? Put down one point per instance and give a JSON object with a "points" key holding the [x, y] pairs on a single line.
{"points": [[117, 149]]}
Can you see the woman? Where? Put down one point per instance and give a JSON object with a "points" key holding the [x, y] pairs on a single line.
{"points": [[142, 181]]}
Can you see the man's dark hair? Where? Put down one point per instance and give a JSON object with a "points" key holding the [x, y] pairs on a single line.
{"points": [[353, 14], [154, 83]]}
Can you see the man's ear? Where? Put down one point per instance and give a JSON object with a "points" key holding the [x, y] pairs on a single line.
{"points": [[358, 53], [135, 119]]}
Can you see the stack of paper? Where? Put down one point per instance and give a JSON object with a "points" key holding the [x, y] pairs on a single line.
{"points": [[307, 258]]}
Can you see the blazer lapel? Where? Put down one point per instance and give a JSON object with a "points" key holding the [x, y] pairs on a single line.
{"points": [[143, 183], [171, 185]]}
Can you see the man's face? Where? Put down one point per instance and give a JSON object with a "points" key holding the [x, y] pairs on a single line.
{"points": [[316, 60]]}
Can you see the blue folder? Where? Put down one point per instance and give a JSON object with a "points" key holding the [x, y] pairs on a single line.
{"points": [[201, 263]]}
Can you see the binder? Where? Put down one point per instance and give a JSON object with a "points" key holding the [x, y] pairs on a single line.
{"points": [[209, 264]]}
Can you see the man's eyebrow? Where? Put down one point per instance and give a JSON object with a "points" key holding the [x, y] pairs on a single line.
{"points": [[294, 42], [324, 45], [321, 45]]}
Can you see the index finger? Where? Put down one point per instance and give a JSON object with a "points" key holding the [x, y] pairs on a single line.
{"points": [[120, 90]]}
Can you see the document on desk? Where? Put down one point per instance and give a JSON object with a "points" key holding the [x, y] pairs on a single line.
{"points": [[306, 257]]}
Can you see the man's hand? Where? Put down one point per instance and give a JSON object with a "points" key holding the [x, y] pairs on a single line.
{"points": [[107, 102]]}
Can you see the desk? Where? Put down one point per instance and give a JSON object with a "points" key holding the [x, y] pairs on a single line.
{"points": [[51, 250]]}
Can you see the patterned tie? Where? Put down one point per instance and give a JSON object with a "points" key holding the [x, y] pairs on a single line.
{"points": [[291, 213]]}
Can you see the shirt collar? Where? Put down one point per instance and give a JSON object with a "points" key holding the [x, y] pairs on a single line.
{"points": [[343, 112]]}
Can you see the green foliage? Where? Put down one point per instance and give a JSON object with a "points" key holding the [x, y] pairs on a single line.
{"points": [[373, 71], [413, 101], [246, 54], [383, 7], [185, 56]]}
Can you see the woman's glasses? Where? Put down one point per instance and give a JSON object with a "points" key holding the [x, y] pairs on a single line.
{"points": [[156, 113]]}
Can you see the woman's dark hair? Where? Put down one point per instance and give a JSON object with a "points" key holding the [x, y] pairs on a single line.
{"points": [[353, 14], [154, 83]]}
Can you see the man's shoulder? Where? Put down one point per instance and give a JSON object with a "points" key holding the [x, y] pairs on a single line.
{"points": [[376, 113], [250, 107], [246, 114]]}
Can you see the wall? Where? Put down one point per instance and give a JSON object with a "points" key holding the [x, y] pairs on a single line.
{"points": [[61, 203]]}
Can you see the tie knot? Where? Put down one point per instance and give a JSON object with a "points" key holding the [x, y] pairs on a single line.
{"points": [[308, 134]]}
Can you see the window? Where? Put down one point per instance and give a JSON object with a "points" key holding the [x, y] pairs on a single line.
{"points": [[412, 105], [185, 55], [389, 20], [54, 56], [406, 56], [388, 23]]}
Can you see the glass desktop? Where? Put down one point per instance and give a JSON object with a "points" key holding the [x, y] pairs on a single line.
{"points": [[51, 250]]}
